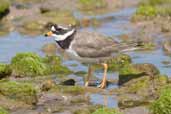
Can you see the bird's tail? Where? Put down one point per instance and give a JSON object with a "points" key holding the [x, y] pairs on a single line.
{"points": [[128, 46]]}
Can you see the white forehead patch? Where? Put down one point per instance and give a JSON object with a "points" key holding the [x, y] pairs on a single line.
{"points": [[53, 28], [64, 28]]}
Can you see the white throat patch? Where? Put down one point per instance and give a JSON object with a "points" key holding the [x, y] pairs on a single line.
{"points": [[53, 28], [64, 36]]}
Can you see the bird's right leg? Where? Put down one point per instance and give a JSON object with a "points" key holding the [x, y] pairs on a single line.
{"points": [[89, 75]]}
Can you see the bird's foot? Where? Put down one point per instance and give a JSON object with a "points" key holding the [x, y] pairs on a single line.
{"points": [[102, 85], [86, 84]]}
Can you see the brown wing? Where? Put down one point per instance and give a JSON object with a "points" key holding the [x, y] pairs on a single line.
{"points": [[92, 45]]}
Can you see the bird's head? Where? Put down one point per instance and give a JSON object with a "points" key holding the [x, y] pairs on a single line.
{"points": [[60, 32]]}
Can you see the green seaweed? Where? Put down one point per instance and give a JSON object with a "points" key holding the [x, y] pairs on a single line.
{"points": [[75, 90], [28, 64], [163, 104], [3, 111], [92, 4], [55, 65], [5, 70], [19, 91], [151, 8], [106, 110], [4, 6]]}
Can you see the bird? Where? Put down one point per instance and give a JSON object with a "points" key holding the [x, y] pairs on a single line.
{"points": [[88, 47]]}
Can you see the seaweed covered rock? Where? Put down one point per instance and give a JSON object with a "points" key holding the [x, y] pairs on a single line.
{"points": [[28, 64], [140, 91], [4, 7], [55, 65], [106, 110], [33, 27], [5, 70], [60, 16], [3, 111], [90, 5], [163, 104], [119, 61], [75, 90], [151, 8], [19, 91], [132, 71]]}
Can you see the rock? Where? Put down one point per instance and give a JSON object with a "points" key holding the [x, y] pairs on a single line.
{"points": [[5, 70], [82, 111], [147, 68], [167, 47], [106, 110], [47, 85], [60, 16], [129, 101], [74, 90], [19, 91], [68, 82], [91, 5], [117, 62], [3, 111], [28, 64], [143, 88], [136, 110], [55, 65], [133, 71], [12, 104], [4, 7], [163, 104], [33, 27]]}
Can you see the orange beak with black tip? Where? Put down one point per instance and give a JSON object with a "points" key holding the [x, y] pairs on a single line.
{"points": [[48, 34]]}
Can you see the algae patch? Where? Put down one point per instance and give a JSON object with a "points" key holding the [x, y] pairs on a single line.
{"points": [[19, 91]]}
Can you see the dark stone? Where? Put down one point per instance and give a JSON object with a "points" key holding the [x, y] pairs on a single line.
{"points": [[68, 82]]}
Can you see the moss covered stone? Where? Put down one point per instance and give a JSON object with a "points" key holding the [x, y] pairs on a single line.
{"points": [[119, 61], [163, 104], [28, 64], [82, 111], [151, 8], [132, 71], [60, 16], [106, 110], [55, 65], [33, 25], [5, 70], [141, 87], [19, 91], [92, 4], [4, 7], [3, 111], [75, 90]]}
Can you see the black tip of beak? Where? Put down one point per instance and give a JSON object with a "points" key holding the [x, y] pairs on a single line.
{"points": [[46, 35]]}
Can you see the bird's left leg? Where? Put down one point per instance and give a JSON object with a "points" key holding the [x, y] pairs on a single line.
{"points": [[103, 83], [89, 75]]}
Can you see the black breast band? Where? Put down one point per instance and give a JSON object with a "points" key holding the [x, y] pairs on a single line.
{"points": [[64, 44]]}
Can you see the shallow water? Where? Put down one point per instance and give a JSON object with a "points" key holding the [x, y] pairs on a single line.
{"points": [[106, 100], [14, 43]]}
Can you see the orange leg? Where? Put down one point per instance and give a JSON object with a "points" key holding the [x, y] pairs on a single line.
{"points": [[88, 76], [103, 84]]}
